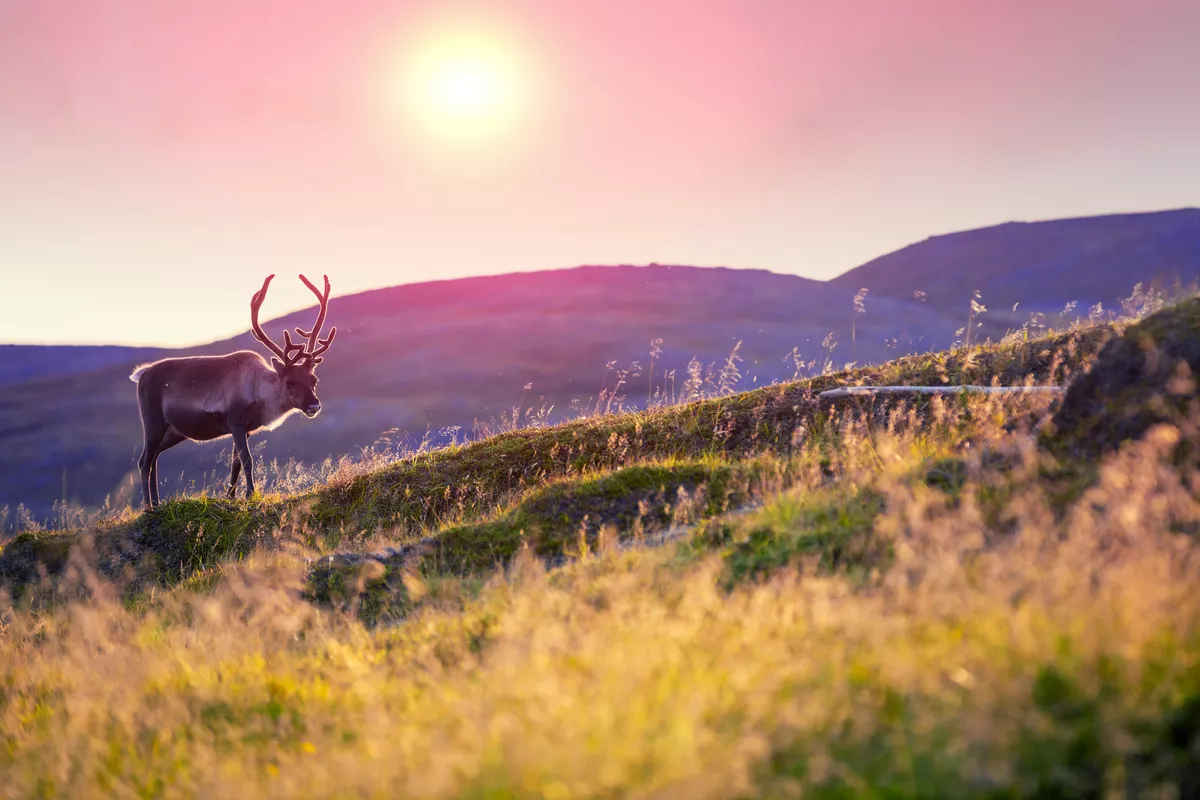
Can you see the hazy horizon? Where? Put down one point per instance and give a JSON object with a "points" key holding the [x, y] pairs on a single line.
{"points": [[160, 160], [238, 329]]}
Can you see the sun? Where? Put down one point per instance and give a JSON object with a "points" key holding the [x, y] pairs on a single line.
{"points": [[464, 87]]}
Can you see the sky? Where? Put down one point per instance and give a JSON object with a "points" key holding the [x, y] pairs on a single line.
{"points": [[158, 159]]}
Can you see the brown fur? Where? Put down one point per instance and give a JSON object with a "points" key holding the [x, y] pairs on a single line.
{"points": [[203, 398]]}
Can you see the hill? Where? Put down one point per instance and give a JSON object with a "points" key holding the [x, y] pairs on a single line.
{"points": [[765, 594], [428, 356], [1041, 265], [21, 363], [436, 358]]}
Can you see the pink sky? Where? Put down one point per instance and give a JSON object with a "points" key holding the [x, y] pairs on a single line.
{"points": [[157, 159]]}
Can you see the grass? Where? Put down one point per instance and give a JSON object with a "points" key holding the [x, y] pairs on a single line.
{"points": [[470, 481], [1140, 379], [760, 595], [835, 532]]}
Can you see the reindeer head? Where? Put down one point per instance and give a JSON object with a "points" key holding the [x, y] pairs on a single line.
{"points": [[295, 363]]}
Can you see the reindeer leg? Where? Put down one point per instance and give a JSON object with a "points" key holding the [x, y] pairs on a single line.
{"points": [[169, 439], [153, 429], [149, 453], [235, 469], [242, 447]]}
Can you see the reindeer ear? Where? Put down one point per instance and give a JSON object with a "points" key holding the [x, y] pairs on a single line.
{"points": [[278, 366]]}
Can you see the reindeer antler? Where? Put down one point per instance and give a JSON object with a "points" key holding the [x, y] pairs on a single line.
{"points": [[292, 351], [303, 352], [316, 345], [256, 302]]}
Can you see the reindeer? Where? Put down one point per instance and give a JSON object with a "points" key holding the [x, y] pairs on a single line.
{"points": [[203, 398]]}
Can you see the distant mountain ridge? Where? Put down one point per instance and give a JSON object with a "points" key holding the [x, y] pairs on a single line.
{"points": [[20, 363], [1041, 265], [433, 355]]}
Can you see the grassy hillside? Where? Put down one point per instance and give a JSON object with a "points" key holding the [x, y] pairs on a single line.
{"points": [[433, 359], [418, 494], [759, 595], [427, 357]]}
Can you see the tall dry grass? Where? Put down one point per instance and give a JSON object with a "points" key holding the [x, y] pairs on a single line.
{"points": [[1005, 647]]}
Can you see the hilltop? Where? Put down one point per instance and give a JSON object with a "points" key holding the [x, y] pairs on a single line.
{"points": [[1042, 265], [750, 595]]}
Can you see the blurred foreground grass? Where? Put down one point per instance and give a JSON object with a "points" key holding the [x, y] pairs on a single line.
{"points": [[755, 596]]}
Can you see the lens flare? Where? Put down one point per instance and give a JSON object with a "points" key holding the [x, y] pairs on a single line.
{"points": [[469, 86]]}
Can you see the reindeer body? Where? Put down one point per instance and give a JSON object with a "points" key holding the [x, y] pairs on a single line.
{"points": [[203, 398]]}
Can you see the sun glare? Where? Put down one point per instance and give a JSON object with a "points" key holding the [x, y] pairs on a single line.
{"points": [[467, 86], [465, 89]]}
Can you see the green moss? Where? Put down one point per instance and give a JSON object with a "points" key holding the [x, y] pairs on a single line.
{"points": [[899, 753], [181, 537], [834, 527], [369, 589], [1091, 733], [561, 520], [1135, 383], [565, 517], [1070, 754], [1168, 751], [24, 559], [947, 474]]}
